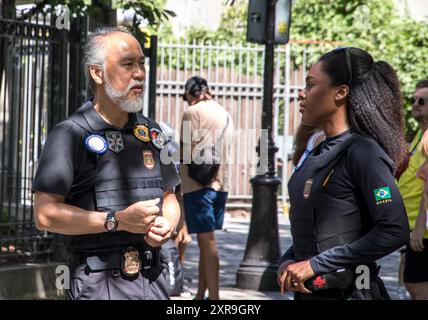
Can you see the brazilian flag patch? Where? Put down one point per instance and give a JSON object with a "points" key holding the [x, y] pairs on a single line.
{"points": [[382, 195]]}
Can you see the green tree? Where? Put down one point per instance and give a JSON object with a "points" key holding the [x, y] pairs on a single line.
{"points": [[373, 25], [151, 12], [384, 33]]}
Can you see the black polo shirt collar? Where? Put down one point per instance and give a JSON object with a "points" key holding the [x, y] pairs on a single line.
{"points": [[97, 123]]}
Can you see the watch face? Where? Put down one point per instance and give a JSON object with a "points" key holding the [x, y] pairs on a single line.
{"points": [[110, 225]]}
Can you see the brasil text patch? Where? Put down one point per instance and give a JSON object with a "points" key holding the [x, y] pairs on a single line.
{"points": [[382, 195]]}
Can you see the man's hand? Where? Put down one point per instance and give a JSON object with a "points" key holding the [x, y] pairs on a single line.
{"points": [[139, 217], [293, 275], [159, 232]]}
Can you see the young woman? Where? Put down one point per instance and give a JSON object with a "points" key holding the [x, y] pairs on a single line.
{"points": [[346, 211]]}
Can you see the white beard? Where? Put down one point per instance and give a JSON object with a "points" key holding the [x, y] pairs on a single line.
{"points": [[120, 97]]}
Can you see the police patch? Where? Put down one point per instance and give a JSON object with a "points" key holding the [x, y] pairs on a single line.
{"points": [[148, 160], [115, 141], [96, 143], [307, 188], [142, 133], [382, 195], [158, 138]]}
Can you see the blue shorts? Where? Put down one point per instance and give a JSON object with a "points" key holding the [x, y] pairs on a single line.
{"points": [[204, 210]]}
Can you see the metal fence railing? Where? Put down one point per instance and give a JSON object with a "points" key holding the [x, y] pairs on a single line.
{"points": [[31, 101], [235, 76]]}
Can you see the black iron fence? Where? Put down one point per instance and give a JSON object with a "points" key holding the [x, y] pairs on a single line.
{"points": [[39, 75]]}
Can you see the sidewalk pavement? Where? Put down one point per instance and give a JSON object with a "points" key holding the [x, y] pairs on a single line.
{"points": [[231, 242]]}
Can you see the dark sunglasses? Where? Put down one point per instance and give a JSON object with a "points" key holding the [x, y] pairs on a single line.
{"points": [[418, 101], [348, 61]]}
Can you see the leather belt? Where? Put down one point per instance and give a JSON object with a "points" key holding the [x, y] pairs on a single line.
{"points": [[129, 258]]}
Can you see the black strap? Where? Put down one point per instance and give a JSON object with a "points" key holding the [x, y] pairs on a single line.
{"points": [[331, 157], [117, 201], [129, 184]]}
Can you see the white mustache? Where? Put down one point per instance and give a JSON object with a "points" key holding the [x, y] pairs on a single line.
{"points": [[134, 83], [123, 93], [119, 97]]}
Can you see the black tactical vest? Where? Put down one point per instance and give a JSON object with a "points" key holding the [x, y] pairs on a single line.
{"points": [[120, 179], [315, 224]]}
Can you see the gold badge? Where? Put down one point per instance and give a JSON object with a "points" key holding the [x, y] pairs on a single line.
{"points": [[142, 133], [149, 162], [307, 188], [131, 265]]}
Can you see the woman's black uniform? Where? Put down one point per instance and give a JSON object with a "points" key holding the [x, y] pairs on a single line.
{"points": [[345, 211]]}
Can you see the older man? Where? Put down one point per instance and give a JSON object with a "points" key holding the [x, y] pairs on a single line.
{"points": [[101, 182]]}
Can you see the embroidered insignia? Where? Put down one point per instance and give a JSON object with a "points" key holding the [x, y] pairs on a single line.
{"points": [[142, 133], [382, 195], [148, 160], [319, 282], [96, 143], [115, 141], [307, 188], [158, 138]]}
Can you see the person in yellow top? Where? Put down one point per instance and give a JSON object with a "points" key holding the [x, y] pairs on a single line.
{"points": [[413, 187]]}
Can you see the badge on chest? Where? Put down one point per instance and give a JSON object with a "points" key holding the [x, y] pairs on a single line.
{"points": [[154, 135], [96, 143], [115, 141], [148, 159], [307, 188], [141, 132], [158, 138]]}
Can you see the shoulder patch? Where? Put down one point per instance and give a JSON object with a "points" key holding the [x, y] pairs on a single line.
{"points": [[382, 195]]}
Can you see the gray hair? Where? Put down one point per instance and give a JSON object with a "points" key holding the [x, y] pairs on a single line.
{"points": [[94, 53]]}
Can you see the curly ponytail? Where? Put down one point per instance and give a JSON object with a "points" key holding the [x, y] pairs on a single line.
{"points": [[375, 104]]}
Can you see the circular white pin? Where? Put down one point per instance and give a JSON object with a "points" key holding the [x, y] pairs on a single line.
{"points": [[96, 143]]}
